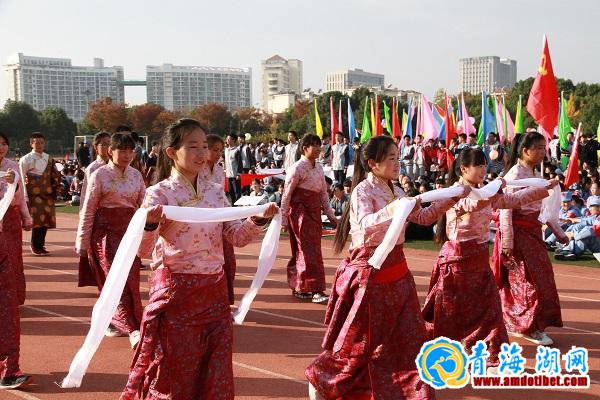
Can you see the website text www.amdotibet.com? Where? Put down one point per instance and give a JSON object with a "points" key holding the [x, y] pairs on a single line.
{"points": [[530, 381]]}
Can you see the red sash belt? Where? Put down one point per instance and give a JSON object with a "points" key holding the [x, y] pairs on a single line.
{"points": [[391, 274]]}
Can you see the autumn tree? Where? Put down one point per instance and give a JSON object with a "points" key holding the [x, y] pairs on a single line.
{"points": [[58, 129], [162, 121], [214, 116], [104, 115], [142, 117]]}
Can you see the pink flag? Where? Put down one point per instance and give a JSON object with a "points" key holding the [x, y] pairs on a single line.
{"points": [[468, 127], [428, 125], [510, 126], [500, 121]]}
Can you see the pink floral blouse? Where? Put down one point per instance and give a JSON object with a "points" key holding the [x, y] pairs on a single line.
{"points": [[19, 200], [97, 163], [192, 248], [108, 188], [520, 171], [371, 215], [304, 176], [470, 219]]}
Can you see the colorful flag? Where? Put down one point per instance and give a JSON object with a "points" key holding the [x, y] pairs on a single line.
{"points": [[351, 129], [468, 127], [428, 126], [332, 120], [564, 126], [543, 98], [572, 174], [366, 131], [419, 127], [404, 122], [440, 119], [388, 121], [450, 125], [339, 124], [373, 123], [519, 128], [408, 129], [487, 123], [379, 130], [500, 126], [509, 126], [396, 130], [318, 126]]}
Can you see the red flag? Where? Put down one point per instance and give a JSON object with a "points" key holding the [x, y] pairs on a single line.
{"points": [[334, 127], [543, 98], [396, 130], [378, 118], [450, 128], [572, 175], [450, 159]]}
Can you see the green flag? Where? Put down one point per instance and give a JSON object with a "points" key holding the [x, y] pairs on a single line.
{"points": [[519, 118], [366, 130], [564, 126], [388, 121]]}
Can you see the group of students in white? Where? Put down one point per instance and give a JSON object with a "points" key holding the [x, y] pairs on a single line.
{"points": [[375, 325]]}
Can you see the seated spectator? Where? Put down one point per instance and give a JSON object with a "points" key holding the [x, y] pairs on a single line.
{"points": [[75, 188], [348, 186], [275, 197], [256, 189], [340, 199], [584, 235], [439, 183]]}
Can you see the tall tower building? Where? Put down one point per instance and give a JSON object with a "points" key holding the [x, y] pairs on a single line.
{"points": [[486, 73], [280, 76], [54, 82]]}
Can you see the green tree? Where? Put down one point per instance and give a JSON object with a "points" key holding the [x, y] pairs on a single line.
{"points": [[20, 121], [58, 129]]}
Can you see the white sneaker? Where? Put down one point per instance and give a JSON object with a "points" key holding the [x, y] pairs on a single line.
{"points": [[313, 394], [134, 339], [112, 332], [538, 337]]}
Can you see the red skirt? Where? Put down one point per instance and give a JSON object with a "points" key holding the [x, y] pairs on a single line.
{"points": [[186, 343], [229, 266], [110, 225], [13, 235], [374, 334], [528, 292], [305, 270], [463, 302], [9, 316]]}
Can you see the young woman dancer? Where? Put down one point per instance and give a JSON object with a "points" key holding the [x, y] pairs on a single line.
{"points": [[187, 332], [463, 302], [304, 196], [101, 145], [375, 327], [524, 271], [115, 191], [15, 220], [11, 376]]}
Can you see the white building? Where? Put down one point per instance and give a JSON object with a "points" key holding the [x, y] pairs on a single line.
{"points": [[53, 82], [486, 73], [342, 81], [278, 103], [280, 76], [184, 88]]}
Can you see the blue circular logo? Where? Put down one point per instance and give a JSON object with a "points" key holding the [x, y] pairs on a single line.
{"points": [[442, 363]]}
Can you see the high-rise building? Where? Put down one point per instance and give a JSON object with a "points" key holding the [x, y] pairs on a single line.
{"points": [[53, 82], [280, 76], [184, 88], [486, 73], [342, 81]]}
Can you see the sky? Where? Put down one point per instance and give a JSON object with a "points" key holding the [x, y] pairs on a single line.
{"points": [[415, 44]]}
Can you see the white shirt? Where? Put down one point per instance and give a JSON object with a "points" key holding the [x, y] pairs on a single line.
{"points": [[290, 155], [339, 156], [231, 161]]}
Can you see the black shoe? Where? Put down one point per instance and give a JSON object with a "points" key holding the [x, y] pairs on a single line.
{"points": [[14, 382], [36, 252], [44, 251], [302, 296]]}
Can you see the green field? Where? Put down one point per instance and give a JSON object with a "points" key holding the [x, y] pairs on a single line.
{"points": [[586, 261]]}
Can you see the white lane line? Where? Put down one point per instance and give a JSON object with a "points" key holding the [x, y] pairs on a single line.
{"points": [[239, 364], [579, 298], [270, 373], [22, 395], [320, 325], [581, 330], [50, 269]]}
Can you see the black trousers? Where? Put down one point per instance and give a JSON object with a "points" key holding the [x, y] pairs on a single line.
{"points": [[234, 189], [38, 237], [340, 176]]}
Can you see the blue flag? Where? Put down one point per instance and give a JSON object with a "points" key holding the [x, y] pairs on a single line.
{"points": [[409, 122], [440, 122], [351, 129]]}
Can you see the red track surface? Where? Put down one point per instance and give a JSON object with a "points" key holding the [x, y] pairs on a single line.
{"points": [[280, 337]]}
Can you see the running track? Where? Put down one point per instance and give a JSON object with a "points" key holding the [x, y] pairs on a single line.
{"points": [[280, 337]]}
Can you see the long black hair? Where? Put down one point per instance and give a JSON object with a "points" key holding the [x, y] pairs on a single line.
{"points": [[522, 141], [173, 137], [468, 157], [375, 149]]}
